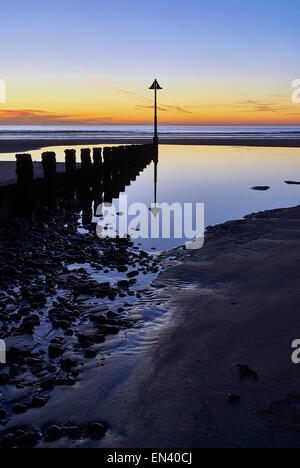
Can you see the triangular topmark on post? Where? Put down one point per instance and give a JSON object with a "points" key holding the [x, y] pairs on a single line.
{"points": [[155, 85]]}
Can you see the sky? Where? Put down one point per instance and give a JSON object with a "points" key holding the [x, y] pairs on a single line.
{"points": [[91, 62]]}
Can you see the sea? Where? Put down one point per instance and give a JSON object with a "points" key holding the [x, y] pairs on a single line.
{"points": [[146, 131]]}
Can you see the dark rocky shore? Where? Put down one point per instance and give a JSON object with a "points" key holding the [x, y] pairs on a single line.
{"points": [[55, 320]]}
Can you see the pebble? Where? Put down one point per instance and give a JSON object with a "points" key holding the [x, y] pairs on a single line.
{"points": [[95, 431], [55, 350], [38, 402], [54, 433]]}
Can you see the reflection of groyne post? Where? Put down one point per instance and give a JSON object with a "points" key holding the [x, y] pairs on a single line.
{"points": [[97, 159], [85, 186], [25, 192], [50, 179], [70, 173], [86, 166], [97, 189], [107, 163], [117, 154]]}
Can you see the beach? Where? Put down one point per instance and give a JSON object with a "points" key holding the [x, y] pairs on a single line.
{"points": [[234, 307], [8, 171]]}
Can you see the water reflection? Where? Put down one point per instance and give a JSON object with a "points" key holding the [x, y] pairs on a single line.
{"points": [[220, 177]]}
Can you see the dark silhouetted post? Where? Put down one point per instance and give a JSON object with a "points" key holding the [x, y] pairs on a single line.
{"points": [[155, 86], [50, 180], [71, 176], [25, 191], [70, 161]]}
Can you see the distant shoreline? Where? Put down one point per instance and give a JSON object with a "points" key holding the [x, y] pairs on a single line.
{"points": [[12, 146]]}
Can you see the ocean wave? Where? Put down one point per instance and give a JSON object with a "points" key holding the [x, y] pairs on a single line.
{"points": [[126, 132]]}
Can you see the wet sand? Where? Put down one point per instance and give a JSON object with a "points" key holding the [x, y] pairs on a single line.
{"points": [[8, 171], [234, 302], [28, 145]]}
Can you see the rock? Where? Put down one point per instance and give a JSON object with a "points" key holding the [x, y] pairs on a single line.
{"points": [[48, 384], [261, 187], [3, 414], [233, 398], [97, 308], [27, 440], [245, 371], [123, 284], [72, 431], [61, 382], [38, 402], [71, 381], [65, 381], [98, 319], [54, 433], [19, 433], [95, 431], [16, 356], [109, 329], [111, 315], [99, 338], [90, 353], [19, 408], [14, 370], [29, 272], [55, 350], [85, 340], [63, 324], [7, 441], [35, 362], [9, 271], [132, 274], [4, 379], [40, 298], [67, 364]]}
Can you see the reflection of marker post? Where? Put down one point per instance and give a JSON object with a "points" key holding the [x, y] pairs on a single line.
{"points": [[155, 209], [155, 86], [2, 352]]}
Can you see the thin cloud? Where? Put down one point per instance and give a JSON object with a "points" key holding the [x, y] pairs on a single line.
{"points": [[179, 109], [140, 107], [252, 105], [39, 117], [143, 99], [123, 92]]}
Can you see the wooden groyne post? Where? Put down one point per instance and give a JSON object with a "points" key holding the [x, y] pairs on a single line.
{"points": [[97, 185], [25, 199], [71, 174], [84, 185], [50, 179]]}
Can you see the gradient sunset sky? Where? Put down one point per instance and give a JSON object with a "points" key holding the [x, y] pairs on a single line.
{"points": [[91, 61]]}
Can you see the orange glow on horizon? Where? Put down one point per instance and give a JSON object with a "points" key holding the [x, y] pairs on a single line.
{"points": [[94, 102]]}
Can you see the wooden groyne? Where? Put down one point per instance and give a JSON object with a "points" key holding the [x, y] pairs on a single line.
{"points": [[101, 175]]}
